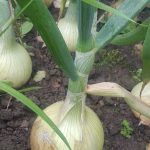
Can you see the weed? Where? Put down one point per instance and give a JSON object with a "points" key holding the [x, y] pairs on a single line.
{"points": [[137, 75], [126, 130]]}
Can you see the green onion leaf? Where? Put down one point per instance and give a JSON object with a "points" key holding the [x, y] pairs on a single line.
{"points": [[146, 57], [116, 23], [132, 37], [85, 19]]}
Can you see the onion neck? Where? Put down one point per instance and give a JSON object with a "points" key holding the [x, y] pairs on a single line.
{"points": [[83, 63], [76, 95], [71, 14], [5, 12], [7, 39]]}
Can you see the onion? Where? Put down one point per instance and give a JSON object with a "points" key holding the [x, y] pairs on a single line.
{"points": [[15, 66], [15, 62], [86, 134], [145, 97]]}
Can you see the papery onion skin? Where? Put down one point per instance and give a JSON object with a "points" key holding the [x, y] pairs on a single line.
{"points": [[44, 138], [145, 97]]}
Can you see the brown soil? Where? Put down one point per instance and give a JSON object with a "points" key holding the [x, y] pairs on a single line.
{"points": [[16, 121]]}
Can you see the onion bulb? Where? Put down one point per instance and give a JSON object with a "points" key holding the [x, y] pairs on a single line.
{"points": [[145, 97], [15, 62], [82, 134]]}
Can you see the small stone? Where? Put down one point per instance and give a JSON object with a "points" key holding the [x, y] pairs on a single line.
{"points": [[40, 75]]}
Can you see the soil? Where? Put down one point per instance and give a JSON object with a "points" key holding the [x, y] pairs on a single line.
{"points": [[16, 121]]}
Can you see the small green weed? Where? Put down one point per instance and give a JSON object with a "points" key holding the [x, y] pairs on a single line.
{"points": [[126, 130], [137, 75]]}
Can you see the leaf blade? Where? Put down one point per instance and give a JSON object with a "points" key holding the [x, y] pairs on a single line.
{"points": [[85, 21], [116, 23], [107, 8], [134, 36], [146, 57]]}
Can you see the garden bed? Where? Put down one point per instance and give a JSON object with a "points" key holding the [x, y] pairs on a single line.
{"points": [[16, 120]]}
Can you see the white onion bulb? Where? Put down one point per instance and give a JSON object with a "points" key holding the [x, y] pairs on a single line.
{"points": [[81, 135], [145, 97], [15, 62]]}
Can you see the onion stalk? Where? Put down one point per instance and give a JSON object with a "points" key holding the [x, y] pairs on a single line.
{"points": [[78, 123], [15, 62]]}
